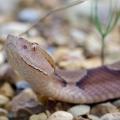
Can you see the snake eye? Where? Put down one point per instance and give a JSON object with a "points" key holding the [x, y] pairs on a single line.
{"points": [[25, 46]]}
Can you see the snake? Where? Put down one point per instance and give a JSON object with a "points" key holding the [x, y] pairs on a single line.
{"points": [[80, 86]]}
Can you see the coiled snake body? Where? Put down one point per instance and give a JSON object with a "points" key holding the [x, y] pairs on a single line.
{"points": [[79, 86]]}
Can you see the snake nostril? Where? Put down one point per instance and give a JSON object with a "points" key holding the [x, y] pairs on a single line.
{"points": [[34, 46]]}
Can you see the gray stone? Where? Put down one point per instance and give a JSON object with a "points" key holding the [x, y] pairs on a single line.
{"points": [[61, 115], [111, 116], [79, 110], [29, 15]]}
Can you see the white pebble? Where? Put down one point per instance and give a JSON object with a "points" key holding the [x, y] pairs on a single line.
{"points": [[79, 110], [61, 115]]}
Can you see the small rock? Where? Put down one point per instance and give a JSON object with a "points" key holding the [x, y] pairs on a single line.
{"points": [[7, 73], [41, 116], [7, 7], [21, 85], [60, 39], [117, 104], [48, 113], [22, 99], [7, 90], [34, 107], [22, 114], [29, 15], [79, 110], [49, 3], [103, 108], [78, 36], [3, 112], [25, 104], [70, 65], [93, 45], [81, 118], [27, 3], [2, 57], [61, 115], [91, 63], [51, 49], [60, 52], [111, 116], [11, 115], [93, 117], [12, 28], [3, 118], [68, 58], [3, 100]]}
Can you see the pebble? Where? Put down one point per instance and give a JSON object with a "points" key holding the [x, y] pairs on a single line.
{"points": [[3, 100], [91, 63], [87, 64], [112, 46], [3, 118], [103, 108], [93, 117], [21, 85], [70, 65], [7, 7], [12, 28], [27, 3], [60, 39], [78, 36], [2, 57], [93, 45], [7, 90], [79, 110], [67, 58], [22, 114], [74, 13], [22, 99], [29, 15], [3, 112], [61, 115], [7, 73], [81, 118], [60, 52], [117, 103], [111, 116], [49, 3], [41, 116]]}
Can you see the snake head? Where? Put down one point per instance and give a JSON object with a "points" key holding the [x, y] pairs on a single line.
{"points": [[31, 53]]}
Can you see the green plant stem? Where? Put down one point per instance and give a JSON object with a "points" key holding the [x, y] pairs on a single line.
{"points": [[103, 50]]}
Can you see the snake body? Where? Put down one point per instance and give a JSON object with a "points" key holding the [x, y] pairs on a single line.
{"points": [[78, 86]]}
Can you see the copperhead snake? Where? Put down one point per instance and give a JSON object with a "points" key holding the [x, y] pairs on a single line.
{"points": [[79, 86]]}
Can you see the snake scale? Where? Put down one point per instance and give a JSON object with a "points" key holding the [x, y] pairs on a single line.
{"points": [[78, 86]]}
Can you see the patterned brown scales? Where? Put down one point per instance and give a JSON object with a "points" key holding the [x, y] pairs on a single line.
{"points": [[79, 86]]}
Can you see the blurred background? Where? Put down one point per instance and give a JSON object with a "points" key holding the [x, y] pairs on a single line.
{"points": [[84, 36], [73, 37]]}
